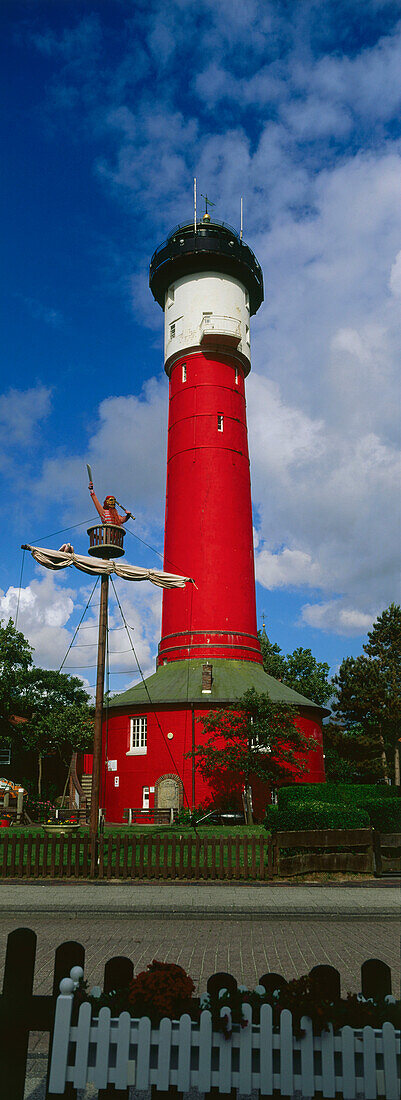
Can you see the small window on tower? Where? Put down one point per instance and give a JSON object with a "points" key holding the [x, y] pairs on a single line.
{"points": [[207, 317], [170, 296], [236, 376], [138, 736], [172, 330], [247, 300], [184, 372], [220, 422]]}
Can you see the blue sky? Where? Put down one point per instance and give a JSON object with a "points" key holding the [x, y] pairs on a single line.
{"points": [[111, 109]]}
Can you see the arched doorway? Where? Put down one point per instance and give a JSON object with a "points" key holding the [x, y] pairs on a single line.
{"points": [[169, 794]]}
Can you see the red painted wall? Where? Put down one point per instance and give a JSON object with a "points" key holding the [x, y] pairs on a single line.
{"points": [[208, 529], [167, 756]]}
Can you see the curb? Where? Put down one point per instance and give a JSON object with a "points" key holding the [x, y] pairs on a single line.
{"points": [[270, 915]]}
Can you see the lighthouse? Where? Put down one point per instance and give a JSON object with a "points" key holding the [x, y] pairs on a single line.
{"points": [[209, 284]]}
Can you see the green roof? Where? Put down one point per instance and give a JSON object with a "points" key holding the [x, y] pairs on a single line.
{"points": [[181, 682]]}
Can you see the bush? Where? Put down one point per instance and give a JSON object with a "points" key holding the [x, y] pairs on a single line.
{"points": [[356, 794], [314, 815], [385, 815]]}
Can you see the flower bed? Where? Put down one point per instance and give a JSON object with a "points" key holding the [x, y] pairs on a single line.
{"points": [[154, 1032]]}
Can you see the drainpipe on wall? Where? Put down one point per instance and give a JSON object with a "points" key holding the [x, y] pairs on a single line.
{"points": [[193, 755]]}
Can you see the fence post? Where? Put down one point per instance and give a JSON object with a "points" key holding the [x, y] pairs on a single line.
{"points": [[375, 978], [17, 990], [20, 806], [117, 974], [68, 954]]}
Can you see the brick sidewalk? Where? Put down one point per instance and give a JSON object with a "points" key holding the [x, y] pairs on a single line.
{"points": [[246, 948]]}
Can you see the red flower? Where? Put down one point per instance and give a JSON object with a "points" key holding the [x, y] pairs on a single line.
{"points": [[164, 989]]}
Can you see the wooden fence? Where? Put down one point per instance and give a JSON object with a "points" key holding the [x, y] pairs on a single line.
{"points": [[297, 853], [21, 1012], [222, 858], [133, 857]]}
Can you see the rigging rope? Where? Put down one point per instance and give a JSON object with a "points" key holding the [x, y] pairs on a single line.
{"points": [[63, 530], [153, 548], [79, 624], [148, 695], [19, 588]]}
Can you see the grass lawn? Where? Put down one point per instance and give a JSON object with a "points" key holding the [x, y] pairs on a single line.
{"points": [[152, 830], [142, 850]]}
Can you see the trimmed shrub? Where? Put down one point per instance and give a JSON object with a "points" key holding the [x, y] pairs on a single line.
{"points": [[385, 815], [314, 815], [355, 794], [272, 816]]}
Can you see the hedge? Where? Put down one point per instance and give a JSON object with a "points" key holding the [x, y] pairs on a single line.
{"points": [[356, 794], [314, 815], [385, 815]]}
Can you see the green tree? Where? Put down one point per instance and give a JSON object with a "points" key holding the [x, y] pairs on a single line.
{"points": [[274, 662], [257, 740], [305, 674], [368, 690], [56, 706], [15, 662], [299, 670], [350, 755], [59, 716]]}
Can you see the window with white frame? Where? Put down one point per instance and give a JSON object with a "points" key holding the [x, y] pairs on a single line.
{"points": [[5, 755], [138, 735], [184, 372], [256, 745], [220, 422], [145, 798], [170, 296], [236, 376]]}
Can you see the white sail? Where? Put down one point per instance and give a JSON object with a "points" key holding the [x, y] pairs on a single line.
{"points": [[58, 559]]}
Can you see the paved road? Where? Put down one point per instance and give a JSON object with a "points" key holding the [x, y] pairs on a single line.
{"points": [[207, 900], [247, 930]]}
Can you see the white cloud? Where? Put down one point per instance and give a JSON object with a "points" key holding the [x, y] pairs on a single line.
{"points": [[395, 277], [287, 569], [321, 176], [47, 616], [333, 617], [21, 411], [127, 453], [45, 608]]}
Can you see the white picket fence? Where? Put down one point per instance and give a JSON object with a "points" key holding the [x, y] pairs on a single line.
{"points": [[124, 1051]]}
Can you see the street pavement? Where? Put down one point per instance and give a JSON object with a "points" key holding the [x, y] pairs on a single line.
{"points": [[246, 930], [202, 900]]}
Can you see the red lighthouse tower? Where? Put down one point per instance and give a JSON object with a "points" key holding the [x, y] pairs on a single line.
{"points": [[209, 284]]}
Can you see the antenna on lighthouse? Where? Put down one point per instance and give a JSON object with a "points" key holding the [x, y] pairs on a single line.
{"points": [[194, 204], [242, 218]]}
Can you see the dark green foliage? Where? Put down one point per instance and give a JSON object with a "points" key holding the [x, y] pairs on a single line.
{"points": [[354, 794], [272, 818], [15, 661], [351, 754], [368, 688], [299, 670], [55, 706], [257, 739], [385, 815], [314, 815], [308, 676], [274, 662]]}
